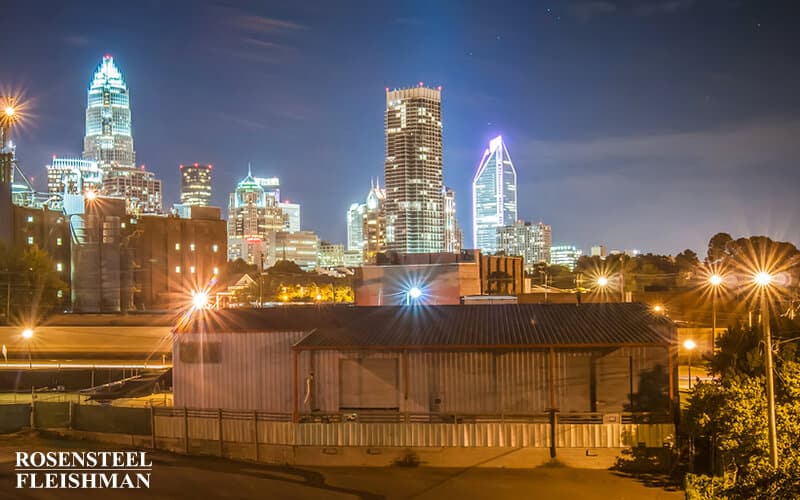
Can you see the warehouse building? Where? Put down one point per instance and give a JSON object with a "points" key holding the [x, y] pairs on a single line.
{"points": [[433, 362]]}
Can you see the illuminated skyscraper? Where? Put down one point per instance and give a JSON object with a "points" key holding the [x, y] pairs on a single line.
{"points": [[108, 139], [453, 239], [532, 242], [253, 216], [195, 184], [366, 225], [494, 196], [73, 176], [413, 170]]}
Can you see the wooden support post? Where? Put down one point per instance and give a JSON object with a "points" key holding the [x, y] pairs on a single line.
{"points": [[593, 383], [295, 402], [671, 379], [221, 439], [255, 435], [185, 430], [552, 367]]}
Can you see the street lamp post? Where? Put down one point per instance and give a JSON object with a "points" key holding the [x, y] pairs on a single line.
{"points": [[689, 345], [763, 280], [715, 280], [27, 334]]}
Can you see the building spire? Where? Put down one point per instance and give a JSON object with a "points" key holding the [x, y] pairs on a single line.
{"points": [[249, 170]]}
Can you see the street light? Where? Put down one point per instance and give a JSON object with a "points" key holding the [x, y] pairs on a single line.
{"points": [[715, 280], [199, 300], [689, 345], [658, 308], [602, 281], [763, 280], [27, 334], [9, 111]]}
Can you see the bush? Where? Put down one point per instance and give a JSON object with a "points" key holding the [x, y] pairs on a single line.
{"points": [[703, 487]]}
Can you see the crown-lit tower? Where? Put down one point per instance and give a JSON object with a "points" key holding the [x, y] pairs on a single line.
{"points": [[108, 139], [494, 196]]}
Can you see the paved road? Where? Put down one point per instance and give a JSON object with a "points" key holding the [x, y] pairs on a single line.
{"points": [[176, 477]]}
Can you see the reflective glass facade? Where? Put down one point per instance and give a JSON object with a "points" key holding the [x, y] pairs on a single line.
{"points": [[108, 139], [494, 196]]}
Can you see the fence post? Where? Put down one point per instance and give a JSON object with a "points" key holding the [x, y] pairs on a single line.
{"points": [[152, 426], [219, 420], [71, 414], [255, 434], [185, 431], [553, 424]]}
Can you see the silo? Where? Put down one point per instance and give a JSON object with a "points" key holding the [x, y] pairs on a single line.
{"points": [[109, 261], [85, 257]]}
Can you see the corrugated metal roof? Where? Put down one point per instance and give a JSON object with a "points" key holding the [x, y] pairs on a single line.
{"points": [[453, 325]]}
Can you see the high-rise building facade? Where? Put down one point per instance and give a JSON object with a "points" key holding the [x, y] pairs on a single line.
{"points": [[140, 189], [108, 139], [252, 217], [366, 224], [355, 227], [413, 170], [564, 255], [291, 216], [195, 184], [301, 247], [494, 196], [453, 239], [530, 241], [331, 255], [73, 176]]}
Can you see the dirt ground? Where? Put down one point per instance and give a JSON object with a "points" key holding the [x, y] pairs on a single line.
{"points": [[206, 478]]}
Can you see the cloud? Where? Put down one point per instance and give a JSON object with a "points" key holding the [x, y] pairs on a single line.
{"points": [[584, 11], [661, 7], [264, 25], [733, 150]]}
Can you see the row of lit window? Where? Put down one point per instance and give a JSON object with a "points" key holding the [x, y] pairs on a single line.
{"points": [[192, 270], [214, 247]]}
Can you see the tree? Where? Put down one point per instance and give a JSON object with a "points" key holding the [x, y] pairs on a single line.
{"points": [[731, 411], [35, 286], [718, 246]]}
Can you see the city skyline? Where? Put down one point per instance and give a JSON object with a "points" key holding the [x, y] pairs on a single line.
{"points": [[698, 141]]}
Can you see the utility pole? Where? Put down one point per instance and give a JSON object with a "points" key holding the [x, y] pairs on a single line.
{"points": [[773, 434], [622, 277]]}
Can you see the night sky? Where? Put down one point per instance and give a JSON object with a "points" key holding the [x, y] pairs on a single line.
{"points": [[649, 124]]}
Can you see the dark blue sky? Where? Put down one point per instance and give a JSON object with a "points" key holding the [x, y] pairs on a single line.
{"points": [[650, 124]]}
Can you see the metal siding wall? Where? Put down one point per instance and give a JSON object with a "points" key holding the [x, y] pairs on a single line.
{"points": [[255, 373], [572, 381]]}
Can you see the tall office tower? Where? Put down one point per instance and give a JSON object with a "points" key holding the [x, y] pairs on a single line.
{"points": [[301, 247], [108, 139], [73, 176], [195, 184], [530, 241], [453, 239], [271, 185], [355, 226], [374, 223], [252, 218], [413, 170], [140, 189], [291, 216], [494, 196], [564, 255]]}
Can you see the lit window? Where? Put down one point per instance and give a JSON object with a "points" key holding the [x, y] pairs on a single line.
{"points": [[177, 269], [215, 248], [216, 270], [177, 246], [59, 267], [30, 218], [122, 225], [191, 247], [191, 269], [60, 294], [58, 241], [30, 240]]}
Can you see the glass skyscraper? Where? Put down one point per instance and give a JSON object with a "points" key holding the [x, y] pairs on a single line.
{"points": [[108, 139], [494, 196], [413, 170], [195, 184]]}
